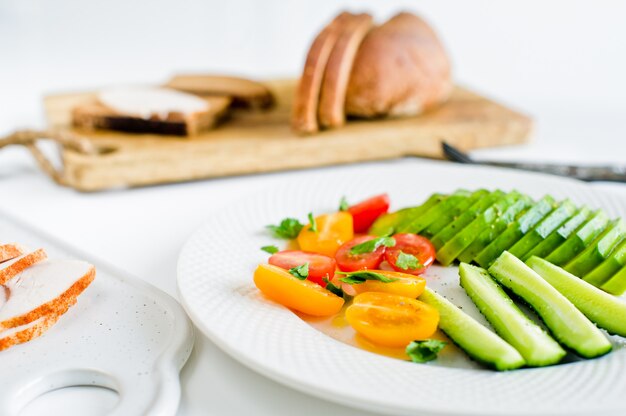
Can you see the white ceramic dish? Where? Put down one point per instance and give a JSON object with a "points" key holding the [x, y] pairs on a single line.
{"points": [[123, 334], [215, 284]]}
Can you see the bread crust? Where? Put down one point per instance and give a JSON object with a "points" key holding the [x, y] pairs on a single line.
{"points": [[331, 111], [10, 271], [401, 69], [306, 99]]}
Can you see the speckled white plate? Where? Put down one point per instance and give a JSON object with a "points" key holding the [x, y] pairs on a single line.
{"points": [[123, 334], [215, 282]]}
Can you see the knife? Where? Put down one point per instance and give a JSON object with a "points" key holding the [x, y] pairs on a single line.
{"points": [[584, 173]]}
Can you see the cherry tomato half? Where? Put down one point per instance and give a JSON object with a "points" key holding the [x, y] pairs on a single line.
{"points": [[365, 213], [320, 266], [404, 285], [391, 320], [413, 244], [332, 231], [301, 295], [348, 262]]}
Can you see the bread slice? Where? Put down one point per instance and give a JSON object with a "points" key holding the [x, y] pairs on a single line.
{"points": [[10, 251], [17, 265], [27, 332], [97, 115], [306, 99], [331, 111], [46, 288], [245, 93]]}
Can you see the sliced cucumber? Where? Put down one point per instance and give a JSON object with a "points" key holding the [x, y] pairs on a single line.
{"points": [[387, 224], [533, 343], [495, 229], [616, 285], [451, 249], [476, 340], [559, 236], [515, 231], [609, 267], [416, 225], [579, 240], [568, 325], [542, 230], [605, 310], [449, 216]]}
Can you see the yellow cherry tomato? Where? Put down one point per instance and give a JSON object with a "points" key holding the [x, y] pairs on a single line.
{"points": [[302, 295], [391, 320], [332, 231], [405, 285]]}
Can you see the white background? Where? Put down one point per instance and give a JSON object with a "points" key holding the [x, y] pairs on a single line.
{"points": [[563, 62]]}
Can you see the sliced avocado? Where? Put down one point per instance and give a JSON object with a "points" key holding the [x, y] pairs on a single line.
{"points": [[558, 236], [476, 340], [451, 249], [464, 219], [598, 251], [579, 240], [542, 230], [515, 231], [416, 225], [568, 325], [495, 229], [388, 223], [616, 285], [609, 267], [604, 310], [449, 216], [533, 343]]}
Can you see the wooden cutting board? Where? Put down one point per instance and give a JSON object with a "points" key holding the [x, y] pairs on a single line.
{"points": [[263, 142]]}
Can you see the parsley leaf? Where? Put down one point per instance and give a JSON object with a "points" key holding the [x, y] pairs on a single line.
{"points": [[343, 204], [371, 245], [289, 228], [424, 351], [312, 223], [300, 272], [356, 278], [270, 249], [407, 261], [332, 288]]}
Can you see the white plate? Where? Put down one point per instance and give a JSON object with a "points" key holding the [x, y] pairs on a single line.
{"points": [[215, 282], [123, 334]]}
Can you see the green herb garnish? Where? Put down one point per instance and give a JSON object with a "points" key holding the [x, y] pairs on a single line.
{"points": [[300, 272], [356, 278], [424, 351], [407, 261], [289, 228], [371, 245], [331, 287], [270, 249], [312, 223], [343, 204]]}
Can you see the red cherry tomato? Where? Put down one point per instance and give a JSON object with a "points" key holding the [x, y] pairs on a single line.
{"points": [[413, 244], [320, 266], [365, 213], [348, 262]]}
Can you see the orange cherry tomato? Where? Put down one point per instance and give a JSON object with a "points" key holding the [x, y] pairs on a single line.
{"points": [[332, 231], [391, 320], [405, 285], [302, 295]]}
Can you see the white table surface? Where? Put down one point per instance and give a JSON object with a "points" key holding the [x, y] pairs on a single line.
{"points": [[576, 96]]}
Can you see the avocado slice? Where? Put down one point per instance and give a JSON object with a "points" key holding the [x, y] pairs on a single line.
{"points": [[557, 237], [388, 223], [616, 285], [465, 218], [423, 220], [609, 267], [579, 240], [533, 343], [598, 251], [495, 229], [515, 231], [449, 216], [451, 249], [542, 230]]}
